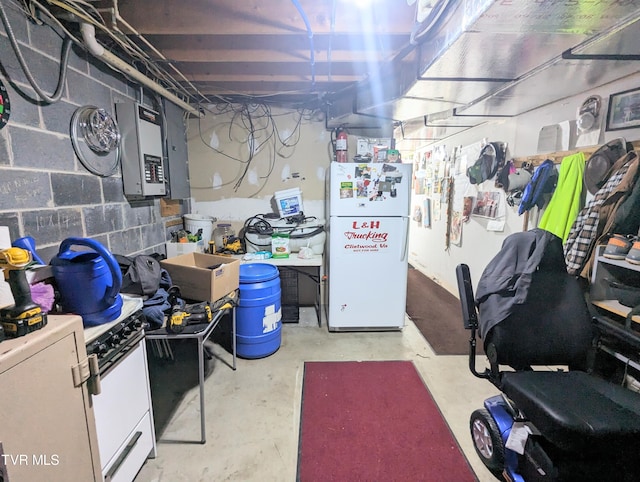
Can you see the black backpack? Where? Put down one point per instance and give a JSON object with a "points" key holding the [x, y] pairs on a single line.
{"points": [[140, 274], [492, 157]]}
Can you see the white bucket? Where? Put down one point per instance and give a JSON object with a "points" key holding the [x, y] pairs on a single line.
{"points": [[194, 222]]}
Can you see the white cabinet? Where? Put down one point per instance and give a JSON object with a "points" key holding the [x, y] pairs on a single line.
{"points": [[47, 426]]}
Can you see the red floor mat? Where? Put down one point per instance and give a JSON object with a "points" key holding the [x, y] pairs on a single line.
{"points": [[374, 421]]}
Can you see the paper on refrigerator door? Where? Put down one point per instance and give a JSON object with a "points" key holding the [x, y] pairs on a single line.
{"points": [[370, 189]]}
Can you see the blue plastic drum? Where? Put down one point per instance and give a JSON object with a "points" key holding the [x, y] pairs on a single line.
{"points": [[258, 314]]}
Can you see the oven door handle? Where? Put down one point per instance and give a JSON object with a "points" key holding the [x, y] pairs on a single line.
{"points": [[122, 457]]}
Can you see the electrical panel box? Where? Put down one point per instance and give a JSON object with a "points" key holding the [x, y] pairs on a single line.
{"points": [[177, 157], [143, 172]]}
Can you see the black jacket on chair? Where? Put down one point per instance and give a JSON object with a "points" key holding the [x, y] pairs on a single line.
{"points": [[506, 280], [530, 310]]}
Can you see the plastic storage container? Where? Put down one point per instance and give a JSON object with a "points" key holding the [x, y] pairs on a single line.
{"points": [[194, 222], [289, 298], [258, 314], [311, 234]]}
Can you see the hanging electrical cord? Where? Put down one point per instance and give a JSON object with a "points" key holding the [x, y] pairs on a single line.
{"points": [[296, 131], [64, 62], [310, 35], [251, 145], [146, 68], [262, 135], [332, 29]]}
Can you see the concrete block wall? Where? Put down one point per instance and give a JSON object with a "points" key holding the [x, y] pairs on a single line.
{"points": [[45, 191]]}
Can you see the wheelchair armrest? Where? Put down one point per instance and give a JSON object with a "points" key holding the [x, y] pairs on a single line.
{"points": [[469, 315], [469, 312]]}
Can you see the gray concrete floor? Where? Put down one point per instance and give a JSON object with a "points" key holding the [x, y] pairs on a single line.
{"points": [[253, 413]]}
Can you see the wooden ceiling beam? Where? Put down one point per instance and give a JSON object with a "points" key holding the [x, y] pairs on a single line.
{"points": [[262, 47], [264, 16], [270, 87], [247, 80], [197, 56], [197, 70], [335, 42]]}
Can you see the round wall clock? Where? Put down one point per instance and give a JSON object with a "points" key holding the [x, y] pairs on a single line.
{"points": [[5, 106]]}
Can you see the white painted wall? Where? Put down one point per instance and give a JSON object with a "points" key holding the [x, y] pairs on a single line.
{"points": [[290, 150], [427, 245], [213, 174]]}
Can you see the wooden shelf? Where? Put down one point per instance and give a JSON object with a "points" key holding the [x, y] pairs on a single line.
{"points": [[619, 262], [614, 306], [170, 207]]}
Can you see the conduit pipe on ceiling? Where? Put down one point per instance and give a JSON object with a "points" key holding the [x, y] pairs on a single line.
{"points": [[310, 35], [118, 18], [89, 38]]}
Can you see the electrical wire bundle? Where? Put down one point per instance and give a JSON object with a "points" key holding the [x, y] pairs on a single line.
{"points": [[260, 227], [255, 126], [64, 17]]}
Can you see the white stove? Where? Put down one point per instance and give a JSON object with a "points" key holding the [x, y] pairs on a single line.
{"points": [[123, 409], [112, 340], [129, 306]]}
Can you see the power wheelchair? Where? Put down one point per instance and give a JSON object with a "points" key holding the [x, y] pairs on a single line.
{"points": [[555, 420]]}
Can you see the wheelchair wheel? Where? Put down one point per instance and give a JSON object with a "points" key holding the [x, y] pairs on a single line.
{"points": [[487, 440]]}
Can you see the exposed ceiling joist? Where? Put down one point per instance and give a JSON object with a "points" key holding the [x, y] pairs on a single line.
{"points": [[377, 66], [263, 47]]}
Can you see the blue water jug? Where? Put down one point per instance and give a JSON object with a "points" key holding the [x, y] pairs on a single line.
{"points": [[89, 281]]}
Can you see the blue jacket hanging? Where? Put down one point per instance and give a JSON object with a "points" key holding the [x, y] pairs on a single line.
{"points": [[542, 184]]}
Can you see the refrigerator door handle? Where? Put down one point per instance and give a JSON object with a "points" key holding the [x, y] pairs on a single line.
{"points": [[405, 238]]}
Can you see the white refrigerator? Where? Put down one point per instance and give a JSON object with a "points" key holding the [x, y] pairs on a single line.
{"points": [[368, 214]]}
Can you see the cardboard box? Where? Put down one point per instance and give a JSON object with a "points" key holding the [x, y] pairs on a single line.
{"points": [[176, 249], [198, 281]]}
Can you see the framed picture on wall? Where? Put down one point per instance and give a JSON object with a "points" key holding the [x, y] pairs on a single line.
{"points": [[624, 110]]}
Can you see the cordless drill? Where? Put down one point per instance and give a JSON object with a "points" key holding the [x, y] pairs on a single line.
{"points": [[24, 316], [183, 315]]}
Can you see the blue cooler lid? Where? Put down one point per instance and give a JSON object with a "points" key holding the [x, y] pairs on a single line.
{"points": [[257, 272]]}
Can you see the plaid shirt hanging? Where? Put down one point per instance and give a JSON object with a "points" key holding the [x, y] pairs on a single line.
{"points": [[588, 225]]}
